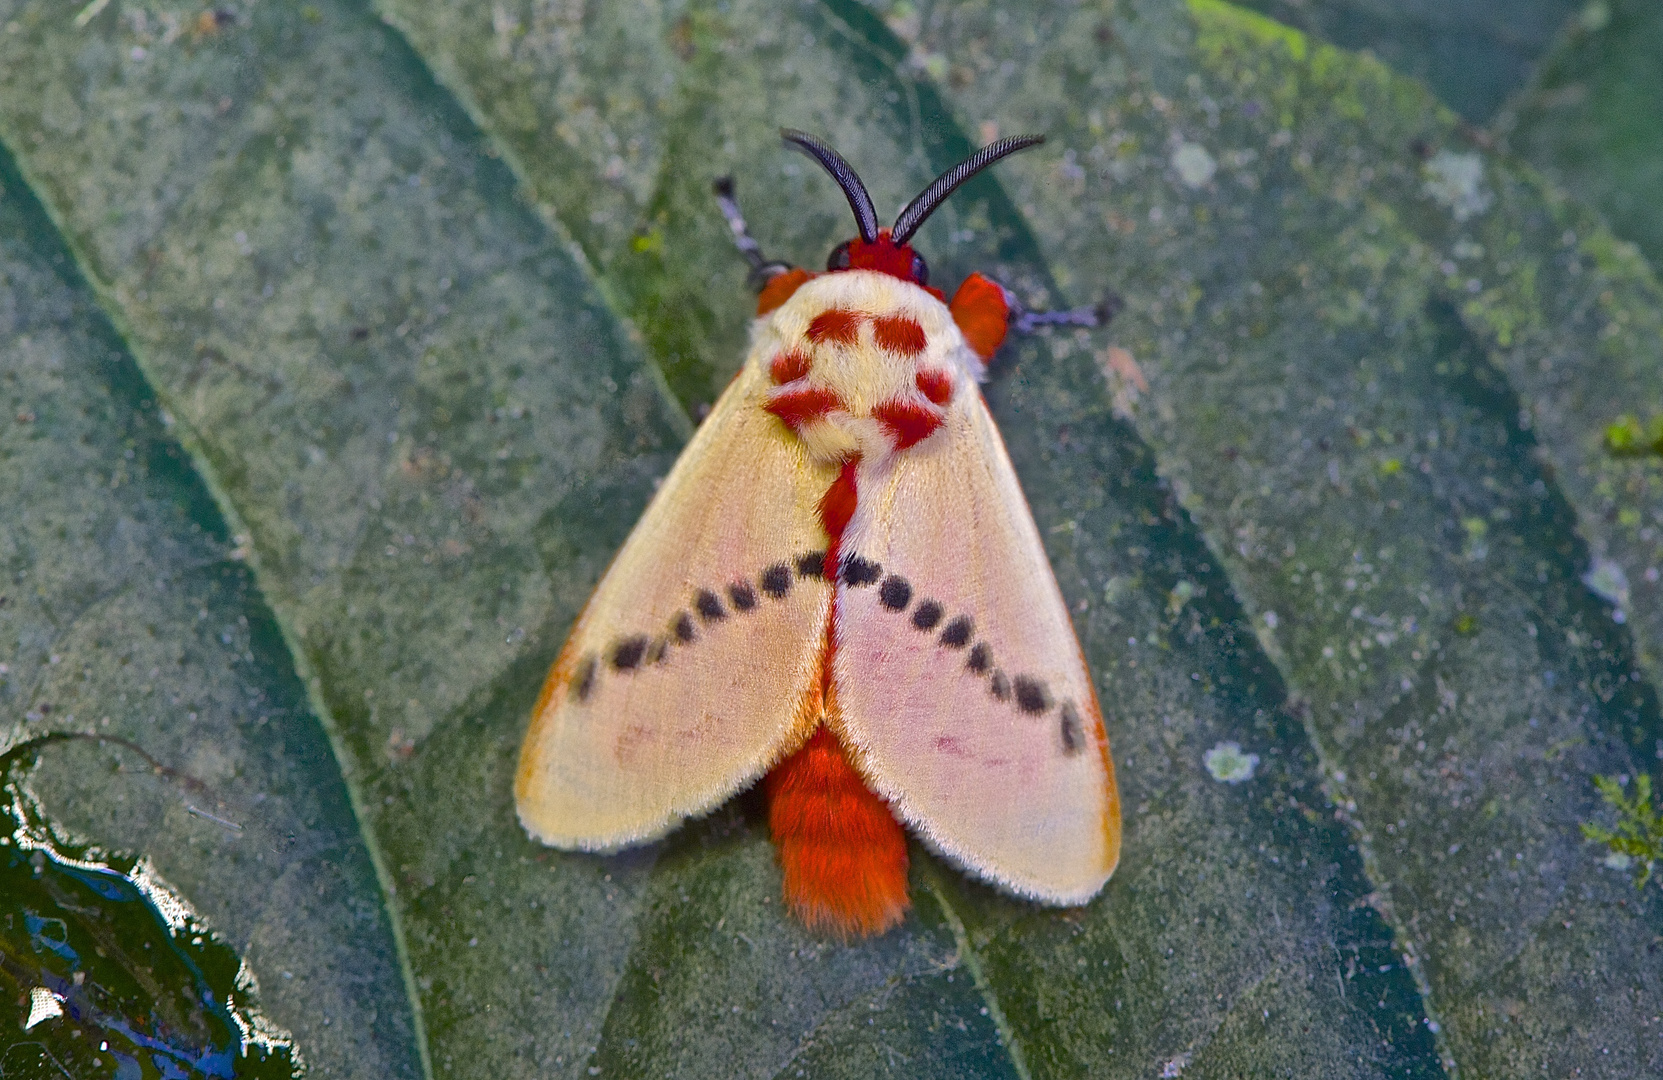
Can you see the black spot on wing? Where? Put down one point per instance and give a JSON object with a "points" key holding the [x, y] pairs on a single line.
{"points": [[776, 581], [742, 596], [927, 615], [894, 594], [1031, 697], [858, 571], [682, 628], [812, 565], [956, 635], [1073, 739], [999, 686], [980, 658], [627, 653], [583, 679], [709, 607]]}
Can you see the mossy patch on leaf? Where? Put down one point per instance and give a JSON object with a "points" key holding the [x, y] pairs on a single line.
{"points": [[1638, 837], [1628, 437]]}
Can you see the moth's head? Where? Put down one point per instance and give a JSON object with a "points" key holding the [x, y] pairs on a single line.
{"points": [[888, 250]]}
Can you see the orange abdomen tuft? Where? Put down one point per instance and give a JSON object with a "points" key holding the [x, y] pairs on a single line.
{"points": [[843, 853]]}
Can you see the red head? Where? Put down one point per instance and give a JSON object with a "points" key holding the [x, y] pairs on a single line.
{"points": [[887, 250]]}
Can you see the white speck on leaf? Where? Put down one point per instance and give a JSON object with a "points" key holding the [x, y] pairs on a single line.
{"points": [[1607, 579], [1227, 764], [1181, 594], [1194, 165], [1456, 181]]}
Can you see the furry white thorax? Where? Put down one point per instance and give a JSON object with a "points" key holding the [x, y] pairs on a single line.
{"points": [[862, 374]]}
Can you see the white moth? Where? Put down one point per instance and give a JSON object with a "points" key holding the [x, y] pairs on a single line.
{"points": [[840, 586]]}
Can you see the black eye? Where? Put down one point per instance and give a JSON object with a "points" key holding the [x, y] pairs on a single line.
{"points": [[920, 269], [839, 258]]}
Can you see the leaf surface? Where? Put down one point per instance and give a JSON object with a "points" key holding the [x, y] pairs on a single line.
{"points": [[431, 304], [128, 616]]}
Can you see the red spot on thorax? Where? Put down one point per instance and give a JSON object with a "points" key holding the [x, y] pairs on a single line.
{"points": [[838, 325], [800, 407], [789, 366], [898, 333], [779, 289], [843, 854], [935, 385], [982, 313], [906, 422]]}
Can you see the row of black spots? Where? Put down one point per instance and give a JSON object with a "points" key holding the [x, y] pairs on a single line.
{"points": [[895, 593], [1029, 694], [638, 650], [1030, 697]]}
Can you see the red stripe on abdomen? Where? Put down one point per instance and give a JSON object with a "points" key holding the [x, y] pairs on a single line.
{"points": [[837, 506], [842, 853]]}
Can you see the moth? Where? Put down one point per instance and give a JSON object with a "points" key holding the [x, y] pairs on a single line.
{"points": [[839, 590]]}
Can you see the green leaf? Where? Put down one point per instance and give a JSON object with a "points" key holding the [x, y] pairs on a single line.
{"points": [[127, 616], [1474, 54], [1588, 119], [429, 305]]}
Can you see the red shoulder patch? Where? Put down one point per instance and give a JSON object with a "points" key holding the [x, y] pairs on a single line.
{"points": [[779, 289], [983, 315]]}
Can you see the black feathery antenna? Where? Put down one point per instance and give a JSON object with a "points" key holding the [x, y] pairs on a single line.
{"points": [[866, 218], [945, 184]]}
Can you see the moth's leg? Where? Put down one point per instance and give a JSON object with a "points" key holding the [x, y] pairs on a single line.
{"points": [[1098, 314], [762, 270], [985, 311], [1027, 322]]}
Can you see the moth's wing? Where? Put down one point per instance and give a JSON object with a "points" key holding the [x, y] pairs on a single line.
{"points": [[691, 669], [959, 682]]}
